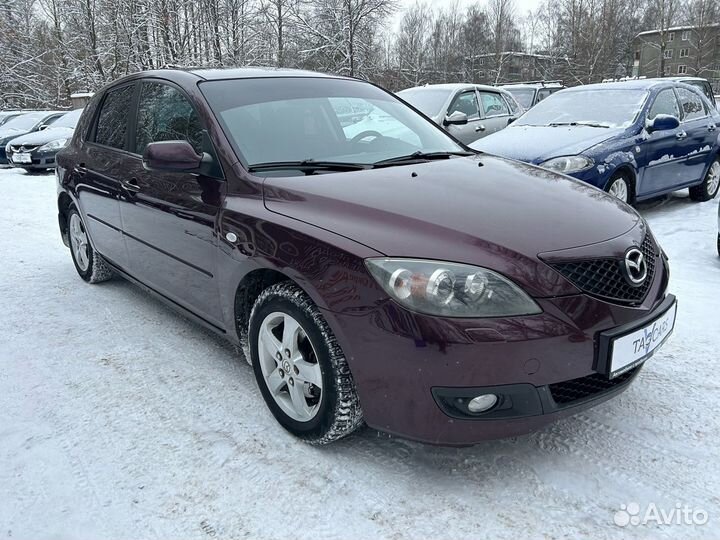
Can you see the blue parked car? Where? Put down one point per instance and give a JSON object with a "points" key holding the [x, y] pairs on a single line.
{"points": [[634, 139]]}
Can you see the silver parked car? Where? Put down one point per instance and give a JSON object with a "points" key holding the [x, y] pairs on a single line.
{"points": [[467, 111]]}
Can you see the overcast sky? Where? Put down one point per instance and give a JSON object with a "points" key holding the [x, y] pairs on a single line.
{"points": [[522, 6]]}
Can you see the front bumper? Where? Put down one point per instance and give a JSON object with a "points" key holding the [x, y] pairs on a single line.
{"points": [[410, 368], [40, 160]]}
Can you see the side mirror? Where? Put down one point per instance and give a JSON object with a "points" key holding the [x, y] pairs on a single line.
{"points": [[171, 156], [511, 120], [43, 126], [662, 122], [456, 119]]}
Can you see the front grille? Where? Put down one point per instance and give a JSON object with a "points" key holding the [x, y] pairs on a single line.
{"points": [[605, 278], [585, 387], [23, 148]]}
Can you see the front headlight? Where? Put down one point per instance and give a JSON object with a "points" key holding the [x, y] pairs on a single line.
{"points": [[54, 145], [568, 164], [450, 289]]}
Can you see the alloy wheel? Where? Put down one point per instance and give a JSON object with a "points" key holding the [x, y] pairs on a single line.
{"points": [[290, 366], [713, 180], [619, 189], [79, 242]]}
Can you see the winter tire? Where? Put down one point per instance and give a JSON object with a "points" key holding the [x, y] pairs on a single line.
{"points": [[710, 184], [300, 368], [89, 263]]}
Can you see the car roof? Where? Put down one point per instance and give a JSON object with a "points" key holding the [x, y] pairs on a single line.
{"points": [[533, 85], [685, 78], [454, 87], [257, 72], [635, 84]]}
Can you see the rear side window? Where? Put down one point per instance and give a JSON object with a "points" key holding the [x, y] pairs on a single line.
{"points": [[165, 114], [493, 104], [466, 103], [691, 104], [665, 103], [543, 93], [112, 123]]}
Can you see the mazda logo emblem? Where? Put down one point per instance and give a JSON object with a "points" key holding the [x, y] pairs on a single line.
{"points": [[636, 269]]}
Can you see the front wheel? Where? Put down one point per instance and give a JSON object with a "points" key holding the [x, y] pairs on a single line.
{"points": [[300, 368], [619, 187], [710, 184]]}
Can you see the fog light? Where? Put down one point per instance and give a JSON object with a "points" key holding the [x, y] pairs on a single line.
{"points": [[482, 403]]}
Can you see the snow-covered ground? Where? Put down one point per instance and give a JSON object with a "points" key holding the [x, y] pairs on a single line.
{"points": [[121, 420]]}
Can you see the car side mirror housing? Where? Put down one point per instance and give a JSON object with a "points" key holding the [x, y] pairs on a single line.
{"points": [[43, 126], [662, 122], [172, 156], [456, 119]]}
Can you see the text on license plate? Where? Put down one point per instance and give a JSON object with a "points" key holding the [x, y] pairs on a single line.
{"points": [[22, 158]]}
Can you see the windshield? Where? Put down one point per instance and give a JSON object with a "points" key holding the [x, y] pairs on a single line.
{"points": [[429, 101], [68, 120], [25, 122], [277, 120], [524, 96], [599, 107]]}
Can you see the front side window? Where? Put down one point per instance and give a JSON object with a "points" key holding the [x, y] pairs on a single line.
{"points": [[665, 103], [165, 114], [112, 122], [269, 121], [465, 103], [429, 101], [691, 104], [493, 104]]}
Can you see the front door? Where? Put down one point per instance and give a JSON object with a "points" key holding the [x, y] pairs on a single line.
{"points": [[466, 102], [662, 151], [169, 217]]}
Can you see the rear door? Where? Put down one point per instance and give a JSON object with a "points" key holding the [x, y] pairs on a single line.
{"points": [[700, 134], [466, 102], [169, 217], [495, 111], [100, 168]]}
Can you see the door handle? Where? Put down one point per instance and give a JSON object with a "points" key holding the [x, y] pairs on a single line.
{"points": [[681, 135], [131, 185], [479, 128]]}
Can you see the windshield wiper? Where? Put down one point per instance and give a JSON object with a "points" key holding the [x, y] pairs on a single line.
{"points": [[581, 123], [308, 166], [420, 156]]}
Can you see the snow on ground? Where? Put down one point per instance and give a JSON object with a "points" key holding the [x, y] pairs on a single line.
{"points": [[119, 419]]}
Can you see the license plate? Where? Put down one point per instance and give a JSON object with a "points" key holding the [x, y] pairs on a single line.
{"points": [[22, 158], [634, 348]]}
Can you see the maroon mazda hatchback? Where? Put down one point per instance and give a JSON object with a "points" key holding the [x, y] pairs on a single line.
{"points": [[372, 268]]}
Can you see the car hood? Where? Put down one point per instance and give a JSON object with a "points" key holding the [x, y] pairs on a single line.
{"points": [[535, 144], [8, 134], [43, 137], [482, 210]]}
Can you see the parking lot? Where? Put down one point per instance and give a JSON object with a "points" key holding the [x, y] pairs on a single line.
{"points": [[121, 419]]}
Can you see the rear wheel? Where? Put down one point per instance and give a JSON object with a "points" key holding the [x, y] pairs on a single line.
{"points": [[300, 368], [620, 187], [89, 263], [710, 184]]}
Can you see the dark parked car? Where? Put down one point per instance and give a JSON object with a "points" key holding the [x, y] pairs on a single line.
{"points": [[468, 111], [23, 124], [6, 116], [529, 94], [36, 151], [635, 139], [399, 281]]}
